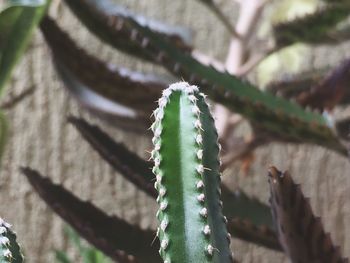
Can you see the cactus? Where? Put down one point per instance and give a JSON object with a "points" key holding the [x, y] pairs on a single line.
{"points": [[9, 248], [192, 227], [186, 151]]}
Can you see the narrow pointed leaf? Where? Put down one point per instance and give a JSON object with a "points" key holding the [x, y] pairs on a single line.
{"points": [[285, 120], [311, 28], [131, 89], [17, 22], [112, 235], [116, 114], [261, 235], [300, 233], [106, 20], [291, 86], [132, 167], [236, 205]]}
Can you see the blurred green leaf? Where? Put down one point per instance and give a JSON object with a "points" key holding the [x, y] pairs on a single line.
{"points": [[62, 257], [88, 253], [17, 22]]}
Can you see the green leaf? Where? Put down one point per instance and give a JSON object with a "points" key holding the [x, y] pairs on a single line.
{"points": [[284, 120], [17, 23], [311, 28], [106, 20], [62, 257]]}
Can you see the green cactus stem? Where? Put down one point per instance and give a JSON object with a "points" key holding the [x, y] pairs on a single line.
{"points": [[9, 248], [192, 227]]}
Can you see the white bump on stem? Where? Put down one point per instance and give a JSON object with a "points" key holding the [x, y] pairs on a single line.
{"points": [[157, 147], [203, 212], [225, 219], [159, 178], [192, 98], [158, 132], [198, 124], [164, 244], [4, 241], [199, 139], [160, 115], [162, 192], [229, 237], [206, 230], [154, 140], [7, 253], [201, 198], [200, 184], [200, 154], [164, 224], [200, 168], [2, 229], [163, 205], [167, 93], [156, 162], [195, 110], [210, 249]]}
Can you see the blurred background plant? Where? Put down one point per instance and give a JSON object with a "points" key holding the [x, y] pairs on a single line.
{"points": [[285, 32], [88, 254]]}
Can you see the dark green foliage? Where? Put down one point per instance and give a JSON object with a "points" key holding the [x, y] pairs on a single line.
{"points": [[312, 28], [87, 253]]}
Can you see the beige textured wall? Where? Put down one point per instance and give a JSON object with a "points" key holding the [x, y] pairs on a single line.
{"points": [[41, 139]]}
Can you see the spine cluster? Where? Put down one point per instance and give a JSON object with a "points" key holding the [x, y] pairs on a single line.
{"points": [[9, 249], [204, 211]]}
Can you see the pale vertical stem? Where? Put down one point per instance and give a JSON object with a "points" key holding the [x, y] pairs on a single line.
{"points": [[250, 11]]}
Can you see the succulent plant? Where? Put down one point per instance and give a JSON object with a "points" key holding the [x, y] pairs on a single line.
{"points": [[192, 224], [9, 248], [192, 227]]}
